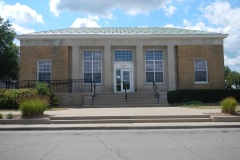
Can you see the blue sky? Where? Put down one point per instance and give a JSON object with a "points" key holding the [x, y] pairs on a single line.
{"points": [[221, 16]]}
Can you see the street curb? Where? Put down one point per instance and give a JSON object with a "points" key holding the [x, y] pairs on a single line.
{"points": [[52, 128], [225, 119], [25, 121]]}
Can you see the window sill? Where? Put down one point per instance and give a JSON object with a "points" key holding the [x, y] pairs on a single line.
{"points": [[159, 83], [201, 82]]}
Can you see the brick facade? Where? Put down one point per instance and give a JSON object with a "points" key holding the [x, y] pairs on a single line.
{"points": [[185, 56], [30, 55]]}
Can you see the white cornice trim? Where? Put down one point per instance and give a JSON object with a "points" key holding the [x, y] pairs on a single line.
{"points": [[115, 36]]}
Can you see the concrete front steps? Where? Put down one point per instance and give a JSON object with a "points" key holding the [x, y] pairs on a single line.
{"points": [[129, 119], [135, 99]]}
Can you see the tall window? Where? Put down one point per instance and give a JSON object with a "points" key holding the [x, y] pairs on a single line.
{"points": [[200, 68], [44, 70], [123, 55], [154, 66], [93, 65]]}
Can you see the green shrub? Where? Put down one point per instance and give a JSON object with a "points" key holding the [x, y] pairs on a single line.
{"points": [[42, 88], [34, 106], [228, 105], [9, 97], [54, 100], [203, 95], [1, 116], [9, 116]]}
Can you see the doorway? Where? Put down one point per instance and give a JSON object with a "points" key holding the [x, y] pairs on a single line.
{"points": [[123, 79]]}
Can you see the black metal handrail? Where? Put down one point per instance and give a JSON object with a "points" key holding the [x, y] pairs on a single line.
{"points": [[125, 89], [156, 91], [93, 92]]}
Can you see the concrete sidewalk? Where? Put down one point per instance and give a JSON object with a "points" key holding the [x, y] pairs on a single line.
{"points": [[125, 111]]}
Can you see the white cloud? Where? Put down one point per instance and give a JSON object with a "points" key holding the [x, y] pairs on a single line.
{"points": [[20, 13], [21, 30], [104, 8], [53, 7], [222, 13], [20, 16], [228, 18], [221, 18], [231, 61], [85, 22], [169, 10]]}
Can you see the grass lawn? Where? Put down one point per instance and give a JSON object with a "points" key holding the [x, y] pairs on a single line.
{"points": [[201, 105]]}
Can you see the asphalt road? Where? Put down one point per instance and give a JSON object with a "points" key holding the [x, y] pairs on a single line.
{"points": [[192, 144]]}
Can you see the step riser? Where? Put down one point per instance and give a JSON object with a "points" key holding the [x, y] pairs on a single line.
{"points": [[124, 105], [129, 117], [116, 103], [118, 100], [130, 121]]}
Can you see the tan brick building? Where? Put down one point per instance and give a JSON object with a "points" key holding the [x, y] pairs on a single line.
{"points": [[173, 58]]}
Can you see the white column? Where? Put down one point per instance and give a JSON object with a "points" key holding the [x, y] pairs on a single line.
{"points": [[171, 68], [107, 69], [75, 68], [75, 62], [140, 70]]}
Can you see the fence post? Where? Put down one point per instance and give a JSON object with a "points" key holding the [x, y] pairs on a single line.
{"points": [[70, 85]]}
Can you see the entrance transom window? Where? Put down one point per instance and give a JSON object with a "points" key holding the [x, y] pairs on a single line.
{"points": [[123, 55]]}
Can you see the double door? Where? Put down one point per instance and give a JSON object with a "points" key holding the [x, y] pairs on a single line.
{"points": [[123, 80]]}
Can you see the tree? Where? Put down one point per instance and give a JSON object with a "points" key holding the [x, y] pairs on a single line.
{"points": [[8, 52], [232, 78]]}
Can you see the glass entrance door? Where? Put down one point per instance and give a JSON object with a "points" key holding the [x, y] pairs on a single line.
{"points": [[123, 80]]}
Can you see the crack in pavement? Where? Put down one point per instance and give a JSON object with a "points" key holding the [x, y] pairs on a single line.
{"points": [[47, 153], [117, 151]]}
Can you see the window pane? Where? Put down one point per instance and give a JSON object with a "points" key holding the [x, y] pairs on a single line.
{"points": [[158, 55], [44, 76], [200, 76], [87, 67], [149, 55], [97, 55], [97, 77], [200, 65], [158, 76], [123, 55], [149, 66], [44, 66], [88, 76], [96, 67], [158, 66], [87, 55], [149, 77]]}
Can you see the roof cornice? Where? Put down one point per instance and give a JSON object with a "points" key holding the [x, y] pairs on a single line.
{"points": [[98, 36]]}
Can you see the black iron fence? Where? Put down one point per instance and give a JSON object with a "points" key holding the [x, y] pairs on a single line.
{"points": [[56, 86]]}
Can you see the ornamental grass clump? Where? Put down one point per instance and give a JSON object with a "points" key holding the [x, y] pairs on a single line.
{"points": [[9, 116], [228, 105], [34, 106]]}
